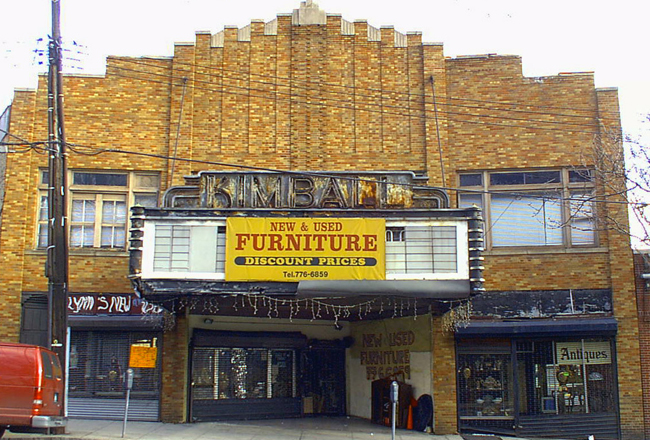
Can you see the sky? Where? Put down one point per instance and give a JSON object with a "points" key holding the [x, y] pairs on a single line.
{"points": [[551, 37]]}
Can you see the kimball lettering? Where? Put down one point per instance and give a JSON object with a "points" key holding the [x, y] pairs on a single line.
{"points": [[260, 190]]}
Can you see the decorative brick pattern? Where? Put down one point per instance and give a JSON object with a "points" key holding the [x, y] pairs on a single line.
{"points": [[641, 267]]}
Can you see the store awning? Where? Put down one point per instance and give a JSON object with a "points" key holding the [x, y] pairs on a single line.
{"points": [[540, 328], [432, 289], [221, 338], [115, 322]]}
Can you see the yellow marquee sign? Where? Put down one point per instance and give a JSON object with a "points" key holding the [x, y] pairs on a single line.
{"points": [[277, 249]]}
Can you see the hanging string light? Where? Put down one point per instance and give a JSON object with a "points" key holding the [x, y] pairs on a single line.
{"points": [[457, 316], [312, 308], [415, 309]]}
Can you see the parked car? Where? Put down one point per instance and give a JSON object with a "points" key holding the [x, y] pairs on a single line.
{"points": [[31, 388]]}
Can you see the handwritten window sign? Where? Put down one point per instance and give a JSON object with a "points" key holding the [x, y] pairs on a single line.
{"points": [[386, 354], [143, 357]]}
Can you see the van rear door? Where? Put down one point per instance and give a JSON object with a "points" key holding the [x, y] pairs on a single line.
{"points": [[49, 402], [18, 377]]}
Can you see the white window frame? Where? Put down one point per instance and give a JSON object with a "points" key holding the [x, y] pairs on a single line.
{"points": [[462, 251], [565, 190], [149, 250]]}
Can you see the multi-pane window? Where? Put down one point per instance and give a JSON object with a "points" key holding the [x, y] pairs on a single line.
{"points": [[42, 221], [533, 208], [82, 227], [421, 249], [190, 248], [98, 206]]}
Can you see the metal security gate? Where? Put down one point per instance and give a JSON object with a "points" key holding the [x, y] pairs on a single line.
{"points": [[538, 388], [566, 387], [35, 319], [113, 409], [323, 380], [243, 383], [98, 362], [245, 375]]}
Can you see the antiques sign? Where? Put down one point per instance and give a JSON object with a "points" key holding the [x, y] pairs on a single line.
{"points": [[295, 249], [575, 353]]}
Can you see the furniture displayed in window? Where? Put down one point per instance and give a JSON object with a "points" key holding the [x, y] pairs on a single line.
{"points": [[382, 409]]}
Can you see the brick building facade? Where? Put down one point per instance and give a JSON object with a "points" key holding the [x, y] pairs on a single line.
{"points": [[642, 277], [310, 92]]}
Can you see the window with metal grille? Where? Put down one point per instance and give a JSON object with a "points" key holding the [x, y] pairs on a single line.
{"points": [[568, 377], [553, 377], [243, 373], [485, 388], [99, 359]]}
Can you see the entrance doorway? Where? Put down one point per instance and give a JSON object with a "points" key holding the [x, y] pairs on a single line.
{"points": [[258, 375], [323, 380]]}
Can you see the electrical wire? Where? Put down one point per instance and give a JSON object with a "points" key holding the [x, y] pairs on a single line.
{"points": [[76, 148], [380, 98], [96, 151], [356, 88], [292, 96]]}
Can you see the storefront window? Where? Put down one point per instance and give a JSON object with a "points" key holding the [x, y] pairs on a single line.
{"points": [[485, 386], [99, 360], [243, 373], [566, 377], [498, 379]]}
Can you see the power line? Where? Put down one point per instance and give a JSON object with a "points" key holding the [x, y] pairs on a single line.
{"points": [[370, 110], [408, 94], [96, 151]]}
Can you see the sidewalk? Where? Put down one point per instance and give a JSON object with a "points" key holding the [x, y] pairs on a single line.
{"points": [[335, 428]]}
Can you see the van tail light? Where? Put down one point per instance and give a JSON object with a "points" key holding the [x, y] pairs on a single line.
{"points": [[38, 400]]}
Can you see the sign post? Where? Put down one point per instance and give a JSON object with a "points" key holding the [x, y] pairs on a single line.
{"points": [[394, 393], [129, 384]]}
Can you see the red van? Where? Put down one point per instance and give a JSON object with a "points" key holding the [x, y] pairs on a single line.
{"points": [[31, 388]]}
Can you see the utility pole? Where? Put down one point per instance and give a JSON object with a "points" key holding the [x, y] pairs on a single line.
{"points": [[57, 250]]}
